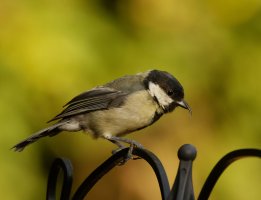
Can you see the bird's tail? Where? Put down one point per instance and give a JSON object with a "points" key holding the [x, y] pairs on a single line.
{"points": [[49, 131]]}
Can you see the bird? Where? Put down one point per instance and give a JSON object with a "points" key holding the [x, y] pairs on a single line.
{"points": [[124, 105]]}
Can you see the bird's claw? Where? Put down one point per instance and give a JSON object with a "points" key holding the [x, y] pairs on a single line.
{"points": [[129, 155]]}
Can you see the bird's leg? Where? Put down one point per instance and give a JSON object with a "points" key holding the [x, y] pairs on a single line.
{"points": [[120, 146], [125, 140], [132, 144], [118, 140]]}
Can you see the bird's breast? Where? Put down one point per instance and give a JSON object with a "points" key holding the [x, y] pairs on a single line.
{"points": [[137, 111]]}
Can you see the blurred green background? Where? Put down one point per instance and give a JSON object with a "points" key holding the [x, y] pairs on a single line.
{"points": [[51, 51]]}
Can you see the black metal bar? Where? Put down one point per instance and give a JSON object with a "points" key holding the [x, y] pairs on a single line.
{"points": [[116, 159], [183, 187], [222, 165], [67, 169]]}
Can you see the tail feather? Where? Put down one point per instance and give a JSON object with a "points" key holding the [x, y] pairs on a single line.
{"points": [[49, 131]]}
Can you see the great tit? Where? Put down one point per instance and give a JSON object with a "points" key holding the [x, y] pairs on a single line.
{"points": [[110, 111]]}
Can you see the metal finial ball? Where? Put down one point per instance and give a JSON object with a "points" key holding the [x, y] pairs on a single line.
{"points": [[187, 152]]}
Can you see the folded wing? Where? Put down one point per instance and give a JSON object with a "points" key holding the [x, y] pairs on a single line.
{"points": [[96, 99]]}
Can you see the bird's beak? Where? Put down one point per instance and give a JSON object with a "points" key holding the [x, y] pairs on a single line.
{"points": [[185, 105]]}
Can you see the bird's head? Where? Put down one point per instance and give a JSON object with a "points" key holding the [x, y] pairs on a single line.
{"points": [[166, 90]]}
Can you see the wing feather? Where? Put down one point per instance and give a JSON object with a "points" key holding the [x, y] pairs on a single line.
{"points": [[96, 99]]}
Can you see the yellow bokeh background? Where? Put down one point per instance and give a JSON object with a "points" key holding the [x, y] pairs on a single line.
{"points": [[51, 51]]}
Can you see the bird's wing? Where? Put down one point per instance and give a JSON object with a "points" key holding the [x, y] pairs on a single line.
{"points": [[96, 99]]}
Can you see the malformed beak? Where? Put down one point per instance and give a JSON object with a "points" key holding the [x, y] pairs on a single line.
{"points": [[185, 105]]}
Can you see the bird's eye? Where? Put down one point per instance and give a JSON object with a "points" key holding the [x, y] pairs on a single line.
{"points": [[170, 92]]}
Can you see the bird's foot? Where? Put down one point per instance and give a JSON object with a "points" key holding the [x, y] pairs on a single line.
{"points": [[129, 155], [133, 144]]}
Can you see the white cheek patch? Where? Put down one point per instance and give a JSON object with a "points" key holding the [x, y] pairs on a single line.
{"points": [[156, 91]]}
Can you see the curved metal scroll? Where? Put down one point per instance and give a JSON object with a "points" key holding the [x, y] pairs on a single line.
{"points": [[181, 190], [116, 159], [99, 172], [67, 169], [220, 167]]}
